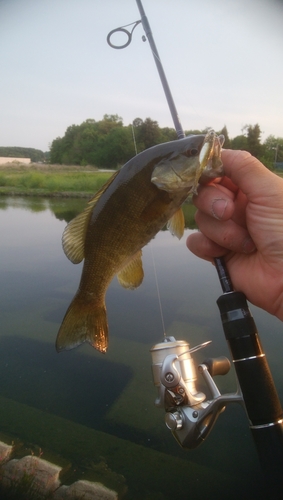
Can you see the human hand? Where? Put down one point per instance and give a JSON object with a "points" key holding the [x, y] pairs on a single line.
{"points": [[240, 216]]}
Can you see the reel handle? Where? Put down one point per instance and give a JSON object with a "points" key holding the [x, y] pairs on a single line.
{"points": [[217, 366]]}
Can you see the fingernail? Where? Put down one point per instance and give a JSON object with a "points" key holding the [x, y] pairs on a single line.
{"points": [[218, 208], [248, 246]]}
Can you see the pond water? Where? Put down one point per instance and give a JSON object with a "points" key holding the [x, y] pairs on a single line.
{"points": [[97, 411]]}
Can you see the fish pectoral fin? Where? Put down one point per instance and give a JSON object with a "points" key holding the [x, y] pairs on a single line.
{"points": [[73, 239], [176, 224], [74, 234], [131, 275]]}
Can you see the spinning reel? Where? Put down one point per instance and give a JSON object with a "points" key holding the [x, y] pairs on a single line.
{"points": [[188, 413]]}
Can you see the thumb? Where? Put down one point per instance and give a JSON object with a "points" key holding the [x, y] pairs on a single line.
{"points": [[248, 173]]}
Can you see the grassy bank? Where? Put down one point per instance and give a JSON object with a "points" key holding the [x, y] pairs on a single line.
{"points": [[18, 179], [50, 180]]}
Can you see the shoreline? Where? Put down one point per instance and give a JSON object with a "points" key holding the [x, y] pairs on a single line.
{"points": [[51, 181], [46, 194]]}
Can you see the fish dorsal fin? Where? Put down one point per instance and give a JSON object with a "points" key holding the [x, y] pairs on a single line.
{"points": [[131, 275], [176, 224], [73, 238]]}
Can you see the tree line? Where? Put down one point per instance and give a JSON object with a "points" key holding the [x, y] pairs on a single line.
{"points": [[36, 155], [109, 144]]}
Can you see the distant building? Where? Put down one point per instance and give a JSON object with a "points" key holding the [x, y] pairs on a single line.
{"points": [[9, 159]]}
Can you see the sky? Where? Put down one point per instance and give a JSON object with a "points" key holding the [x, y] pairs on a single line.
{"points": [[222, 59]]}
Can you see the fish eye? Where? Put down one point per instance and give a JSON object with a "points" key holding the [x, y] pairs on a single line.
{"points": [[192, 152]]}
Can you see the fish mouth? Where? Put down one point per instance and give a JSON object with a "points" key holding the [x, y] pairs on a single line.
{"points": [[209, 160], [210, 154]]}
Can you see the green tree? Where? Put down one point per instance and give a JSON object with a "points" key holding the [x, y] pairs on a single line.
{"points": [[272, 152], [84, 144], [224, 131], [109, 122], [196, 131], [56, 150], [168, 134], [253, 134], [147, 133], [118, 148], [239, 142], [88, 138], [70, 147], [108, 143]]}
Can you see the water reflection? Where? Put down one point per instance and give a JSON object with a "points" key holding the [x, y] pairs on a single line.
{"points": [[114, 393], [67, 208]]}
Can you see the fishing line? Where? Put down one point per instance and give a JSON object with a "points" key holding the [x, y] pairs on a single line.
{"points": [[134, 139], [158, 291], [153, 260]]}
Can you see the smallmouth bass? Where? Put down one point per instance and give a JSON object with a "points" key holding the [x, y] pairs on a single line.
{"points": [[123, 216]]}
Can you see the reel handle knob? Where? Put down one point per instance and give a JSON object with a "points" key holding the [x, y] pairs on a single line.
{"points": [[217, 366]]}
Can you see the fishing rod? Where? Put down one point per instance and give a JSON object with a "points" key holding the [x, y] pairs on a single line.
{"points": [[261, 400], [189, 414], [148, 33]]}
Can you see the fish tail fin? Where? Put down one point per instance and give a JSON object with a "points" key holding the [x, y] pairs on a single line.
{"points": [[84, 321]]}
